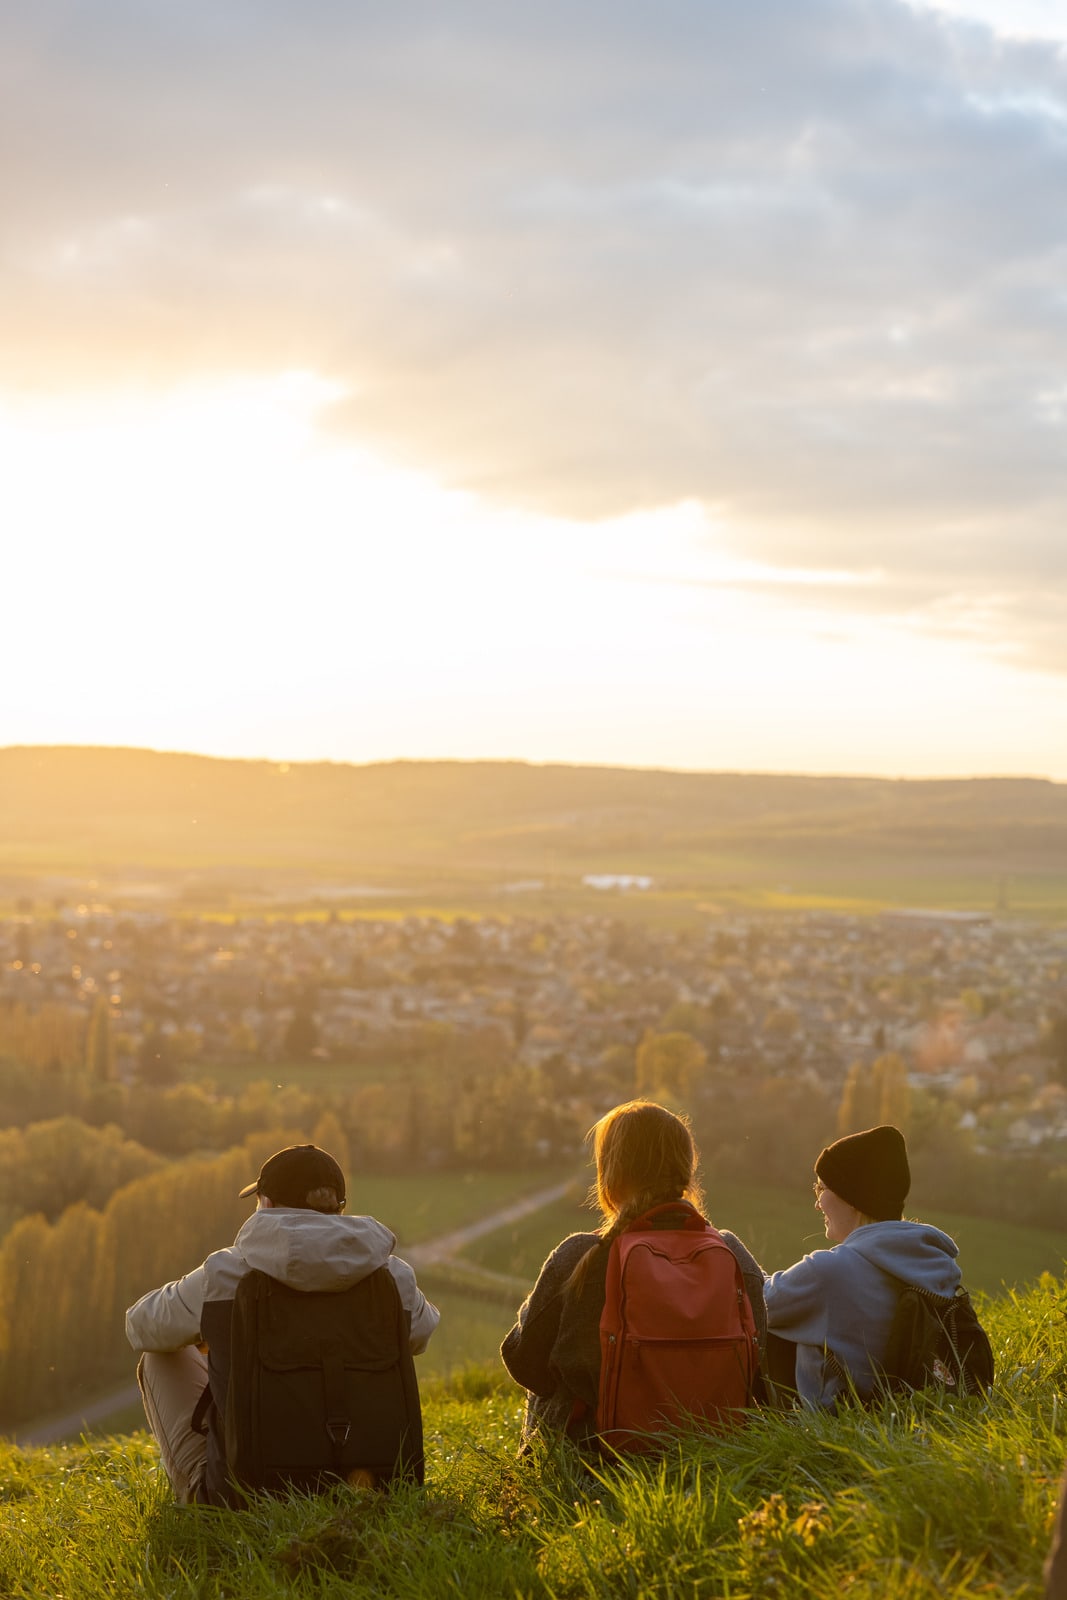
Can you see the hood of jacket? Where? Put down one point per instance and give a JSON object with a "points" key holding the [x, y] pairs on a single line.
{"points": [[312, 1250], [914, 1252]]}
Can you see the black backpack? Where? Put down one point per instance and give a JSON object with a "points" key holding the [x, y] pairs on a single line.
{"points": [[936, 1342], [321, 1386]]}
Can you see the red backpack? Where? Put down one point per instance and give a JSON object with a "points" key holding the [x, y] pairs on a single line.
{"points": [[677, 1334]]}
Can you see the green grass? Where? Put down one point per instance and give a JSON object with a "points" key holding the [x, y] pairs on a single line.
{"points": [[778, 1228], [424, 1207], [469, 1334], [929, 1500], [721, 889]]}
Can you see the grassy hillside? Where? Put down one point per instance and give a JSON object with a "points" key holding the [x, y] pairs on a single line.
{"points": [[468, 827], [933, 1500]]}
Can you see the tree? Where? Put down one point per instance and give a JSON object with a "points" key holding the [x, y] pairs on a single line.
{"points": [[1054, 1045], [858, 1108], [99, 1045], [413, 1139], [155, 1058], [685, 1016], [301, 1034], [889, 1076], [874, 1095], [329, 1135], [668, 1066], [50, 1165]]}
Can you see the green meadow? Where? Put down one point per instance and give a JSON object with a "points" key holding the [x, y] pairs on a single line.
{"points": [[427, 1207]]}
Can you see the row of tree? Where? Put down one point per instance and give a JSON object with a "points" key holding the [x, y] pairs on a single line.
{"points": [[875, 1094], [60, 1039], [48, 1166], [65, 1285], [51, 1038]]}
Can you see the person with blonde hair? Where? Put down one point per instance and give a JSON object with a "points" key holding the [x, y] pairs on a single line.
{"points": [[645, 1159]]}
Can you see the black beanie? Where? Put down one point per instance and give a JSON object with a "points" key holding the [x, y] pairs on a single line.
{"points": [[870, 1171]]}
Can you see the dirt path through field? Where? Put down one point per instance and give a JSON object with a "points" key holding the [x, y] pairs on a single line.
{"points": [[430, 1253], [434, 1251]]}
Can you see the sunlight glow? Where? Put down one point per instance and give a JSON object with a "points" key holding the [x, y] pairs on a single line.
{"points": [[210, 569]]}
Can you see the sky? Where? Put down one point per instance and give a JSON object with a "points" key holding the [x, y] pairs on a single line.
{"points": [[677, 384]]}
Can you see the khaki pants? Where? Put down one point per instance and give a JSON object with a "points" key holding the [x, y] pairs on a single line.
{"points": [[171, 1383]]}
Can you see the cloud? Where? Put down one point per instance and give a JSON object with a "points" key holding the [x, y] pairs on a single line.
{"points": [[803, 264]]}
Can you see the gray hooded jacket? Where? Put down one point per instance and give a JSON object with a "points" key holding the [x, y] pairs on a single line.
{"points": [[304, 1249], [842, 1300], [307, 1250]]}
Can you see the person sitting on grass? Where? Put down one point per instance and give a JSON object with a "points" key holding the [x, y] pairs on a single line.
{"points": [[829, 1316], [645, 1157], [297, 1234]]}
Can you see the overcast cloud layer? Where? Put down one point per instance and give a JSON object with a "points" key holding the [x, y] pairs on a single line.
{"points": [[802, 260]]}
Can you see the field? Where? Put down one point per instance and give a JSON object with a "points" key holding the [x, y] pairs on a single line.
{"points": [[778, 1228], [201, 835], [421, 1208], [932, 1500]]}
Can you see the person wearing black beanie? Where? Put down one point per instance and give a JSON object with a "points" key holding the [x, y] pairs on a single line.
{"points": [[869, 1171], [834, 1308]]}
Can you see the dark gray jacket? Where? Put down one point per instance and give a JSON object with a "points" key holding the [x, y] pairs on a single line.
{"points": [[554, 1348]]}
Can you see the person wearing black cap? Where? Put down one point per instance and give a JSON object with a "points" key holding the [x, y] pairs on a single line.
{"points": [[836, 1306], [298, 1234]]}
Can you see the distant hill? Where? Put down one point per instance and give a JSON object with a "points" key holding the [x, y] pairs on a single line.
{"points": [[108, 812]]}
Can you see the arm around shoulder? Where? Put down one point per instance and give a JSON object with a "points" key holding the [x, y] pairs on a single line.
{"points": [[797, 1296]]}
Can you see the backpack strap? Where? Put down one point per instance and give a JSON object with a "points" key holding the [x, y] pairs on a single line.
{"points": [[338, 1418], [202, 1410]]}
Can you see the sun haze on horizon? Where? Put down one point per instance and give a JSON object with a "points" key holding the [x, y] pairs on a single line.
{"points": [[389, 387]]}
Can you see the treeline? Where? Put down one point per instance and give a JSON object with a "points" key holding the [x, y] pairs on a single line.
{"points": [[452, 1099], [769, 1129], [65, 1285], [51, 1037], [51, 1165], [460, 1101]]}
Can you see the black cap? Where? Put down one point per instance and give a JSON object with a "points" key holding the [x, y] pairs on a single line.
{"points": [[288, 1176], [870, 1171]]}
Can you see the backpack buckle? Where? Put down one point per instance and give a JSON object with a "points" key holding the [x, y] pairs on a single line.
{"points": [[338, 1429]]}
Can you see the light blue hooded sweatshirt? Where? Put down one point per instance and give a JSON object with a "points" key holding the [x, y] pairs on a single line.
{"points": [[842, 1301]]}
